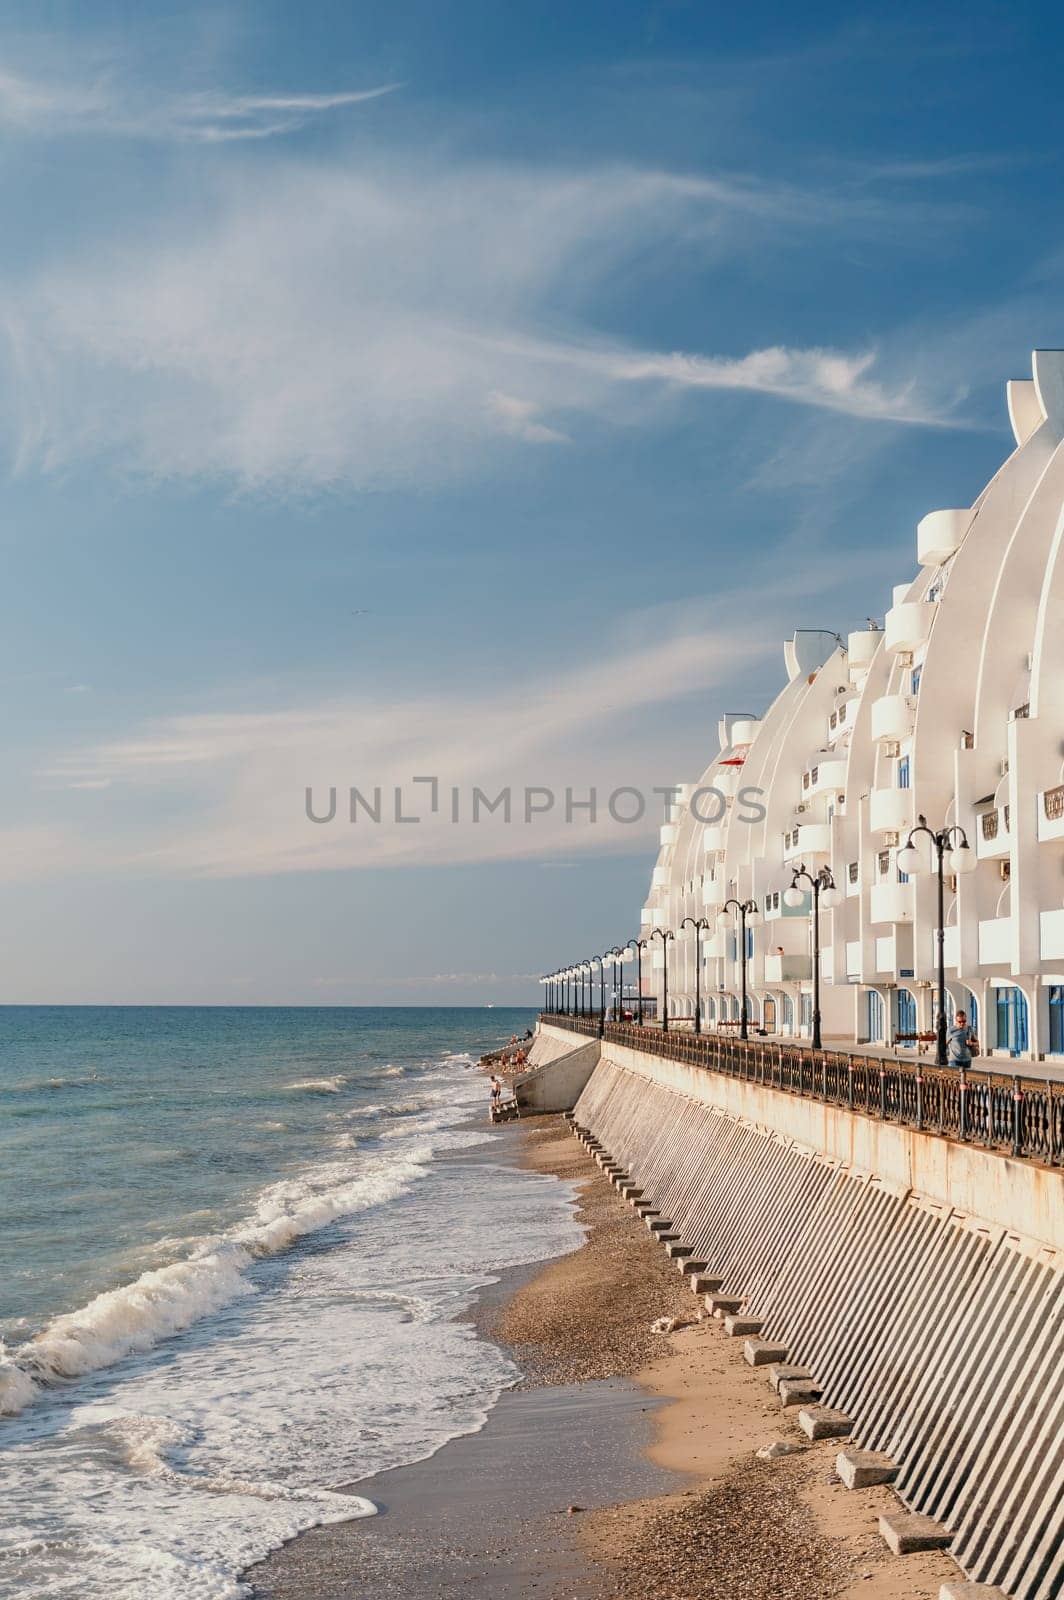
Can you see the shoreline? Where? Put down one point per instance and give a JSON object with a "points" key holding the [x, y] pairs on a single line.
{"points": [[653, 1437]]}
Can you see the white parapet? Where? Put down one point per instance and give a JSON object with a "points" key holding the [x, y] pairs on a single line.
{"points": [[908, 625], [893, 716], [939, 535], [890, 810], [891, 901]]}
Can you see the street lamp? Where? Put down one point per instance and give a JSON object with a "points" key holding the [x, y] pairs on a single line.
{"points": [[961, 860], [616, 956], [697, 923], [640, 946], [750, 916], [824, 892], [664, 934], [595, 965]]}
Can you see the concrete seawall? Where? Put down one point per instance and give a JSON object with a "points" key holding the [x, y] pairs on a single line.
{"points": [[920, 1282]]}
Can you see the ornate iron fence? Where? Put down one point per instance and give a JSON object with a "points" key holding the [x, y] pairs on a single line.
{"points": [[1020, 1115]]}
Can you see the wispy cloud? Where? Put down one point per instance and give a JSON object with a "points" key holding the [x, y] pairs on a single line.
{"points": [[374, 329], [112, 107], [238, 778]]}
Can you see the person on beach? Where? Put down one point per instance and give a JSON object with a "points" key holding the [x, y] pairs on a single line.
{"points": [[496, 1094]]}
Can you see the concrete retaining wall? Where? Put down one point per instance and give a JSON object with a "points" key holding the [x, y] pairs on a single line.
{"points": [[550, 1043], [940, 1331], [558, 1084]]}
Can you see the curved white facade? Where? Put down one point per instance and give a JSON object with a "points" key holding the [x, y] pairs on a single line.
{"points": [[955, 709]]}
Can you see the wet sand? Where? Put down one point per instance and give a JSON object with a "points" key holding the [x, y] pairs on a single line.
{"points": [[653, 1437]]}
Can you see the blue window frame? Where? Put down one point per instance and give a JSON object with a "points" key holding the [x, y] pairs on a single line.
{"points": [[914, 681], [749, 942], [787, 1011], [807, 1011], [1056, 1019], [875, 1017], [903, 773], [973, 1013], [1011, 1011], [906, 1012]]}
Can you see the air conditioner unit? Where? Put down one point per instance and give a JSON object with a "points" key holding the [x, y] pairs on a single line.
{"points": [[904, 658], [891, 838], [1005, 870], [892, 747]]}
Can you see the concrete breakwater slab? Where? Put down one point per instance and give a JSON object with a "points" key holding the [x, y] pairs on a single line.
{"points": [[940, 1335]]}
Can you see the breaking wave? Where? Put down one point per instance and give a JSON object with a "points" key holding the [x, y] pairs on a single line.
{"points": [[164, 1301]]}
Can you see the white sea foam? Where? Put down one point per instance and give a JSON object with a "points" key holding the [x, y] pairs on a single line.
{"points": [[168, 1299], [331, 1085]]}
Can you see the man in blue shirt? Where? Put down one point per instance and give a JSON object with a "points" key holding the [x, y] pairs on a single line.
{"points": [[959, 1042]]}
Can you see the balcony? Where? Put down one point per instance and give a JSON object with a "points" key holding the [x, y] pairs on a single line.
{"points": [[853, 958], [827, 777], [744, 732], [1052, 932], [713, 892], [788, 969], [995, 941], [992, 834], [939, 536], [713, 837], [893, 716], [860, 648], [908, 625], [1051, 813], [807, 841], [890, 810], [659, 878], [668, 834], [726, 781], [891, 902]]}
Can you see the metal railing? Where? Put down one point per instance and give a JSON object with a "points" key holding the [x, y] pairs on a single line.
{"points": [[1053, 803], [1019, 1116]]}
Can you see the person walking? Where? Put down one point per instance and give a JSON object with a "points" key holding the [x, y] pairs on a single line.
{"points": [[496, 1096], [959, 1041]]}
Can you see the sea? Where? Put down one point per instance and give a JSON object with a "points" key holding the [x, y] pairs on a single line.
{"points": [[236, 1246]]}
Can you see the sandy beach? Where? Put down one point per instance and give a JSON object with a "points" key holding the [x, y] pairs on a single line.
{"points": [[624, 1464]]}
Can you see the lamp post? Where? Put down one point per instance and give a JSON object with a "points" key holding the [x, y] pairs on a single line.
{"points": [[750, 916], [616, 955], [697, 923], [640, 946], [595, 965], [961, 860], [664, 934], [824, 890]]}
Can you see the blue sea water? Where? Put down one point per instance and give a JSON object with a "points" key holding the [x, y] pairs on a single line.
{"points": [[232, 1267]]}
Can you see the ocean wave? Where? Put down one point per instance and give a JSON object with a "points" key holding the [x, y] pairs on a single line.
{"points": [[91, 1080], [166, 1300], [317, 1085]]}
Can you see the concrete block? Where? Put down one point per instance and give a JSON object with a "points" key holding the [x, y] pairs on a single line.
{"points": [[778, 1371], [678, 1251], [736, 1326], [905, 1533], [690, 1267], [667, 1238], [706, 1283], [630, 1190], [722, 1305], [759, 1352], [798, 1391], [824, 1422], [861, 1469], [659, 1224], [961, 1590]]}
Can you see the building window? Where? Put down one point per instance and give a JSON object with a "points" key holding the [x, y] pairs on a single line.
{"points": [[1011, 1010], [807, 1011], [906, 1014], [914, 681], [1056, 1019], [749, 943], [903, 773], [875, 1017], [787, 1013]]}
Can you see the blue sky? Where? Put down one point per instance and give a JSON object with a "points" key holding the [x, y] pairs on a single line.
{"points": [[462, 389]]}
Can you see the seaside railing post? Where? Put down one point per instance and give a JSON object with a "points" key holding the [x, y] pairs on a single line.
{"points": [[962, 1105], [1017, 1117]]}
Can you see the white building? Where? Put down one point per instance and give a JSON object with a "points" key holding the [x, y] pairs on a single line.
{"points": [[955, 709]]}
